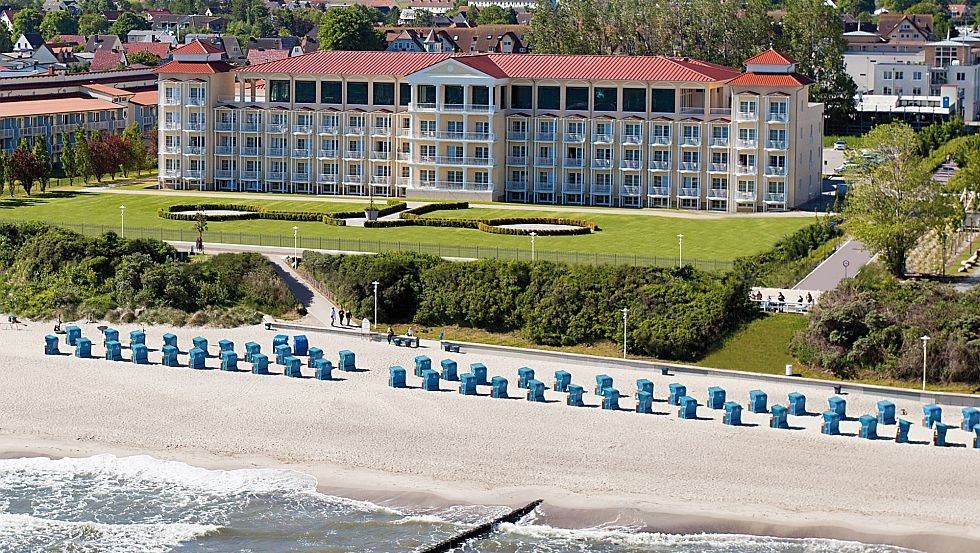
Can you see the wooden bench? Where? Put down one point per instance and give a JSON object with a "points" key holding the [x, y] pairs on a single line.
{"points": [[450, 347], [407, 341]]}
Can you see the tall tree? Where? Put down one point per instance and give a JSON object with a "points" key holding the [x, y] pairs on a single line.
{"points": [[127, 22], [893, 201], [812, 33], [135, 148], [68, 166], [44, 160], [58, 23], [349, 28], [493, 15], [83, 155], [4, 169], [24, 168], [27, 20], [92, 24], [144, 57], [6, 43]]}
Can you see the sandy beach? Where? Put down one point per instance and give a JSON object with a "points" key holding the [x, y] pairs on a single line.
{"points": [[364, 440]]}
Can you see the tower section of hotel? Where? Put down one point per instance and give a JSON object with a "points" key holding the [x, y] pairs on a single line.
{"points": [[624, 131]]}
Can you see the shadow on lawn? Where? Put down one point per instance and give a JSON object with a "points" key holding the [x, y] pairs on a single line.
{"points": [[12, 202]]}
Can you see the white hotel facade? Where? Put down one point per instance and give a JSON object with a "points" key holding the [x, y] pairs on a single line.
{"points": [[549, 129]]}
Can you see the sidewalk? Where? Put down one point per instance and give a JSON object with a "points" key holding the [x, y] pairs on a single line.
{"points": [[831, 271]]}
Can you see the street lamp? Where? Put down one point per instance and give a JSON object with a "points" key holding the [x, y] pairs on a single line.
{"points": [[375, 283], [122, 221], [625, 311], [680, 250], [533, 234], [925, 340], [295, 246]]}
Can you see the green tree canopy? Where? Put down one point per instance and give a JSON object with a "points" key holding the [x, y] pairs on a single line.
{"points": [[144, 57], [44, 161], [58, 23], [892, 201], [494, 15], [67, 157], [92, 24], [349, 28], [128, 21], [6, 43], [27, 20]]}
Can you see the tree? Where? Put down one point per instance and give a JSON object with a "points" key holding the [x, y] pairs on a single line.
{"points": [[393, 16], [68, 166], [27, 20], [5, 169], [108, 153], [144, 57], [941, 22], [44, 160], [128, 21], [812, 33], [92, 24], [200, 223], [855, 7], [24, 167], [423, 18], [892, 201], [135, 148], [494, 15], [58, 23], [349, 28], [83, 155], [6, 43]]}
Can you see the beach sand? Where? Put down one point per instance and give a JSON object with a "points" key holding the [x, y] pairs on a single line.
{"points": [[363, 440]]}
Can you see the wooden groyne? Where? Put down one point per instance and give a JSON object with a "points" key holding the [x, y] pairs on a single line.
{"points": [[481, 530]]}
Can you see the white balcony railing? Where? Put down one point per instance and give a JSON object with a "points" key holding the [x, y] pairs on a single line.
{"points": [[629, 164], [423, 106], [718, 193], [629, 190], [691, 141], [353, 178], [745, 170], [516, 186], [775, 117], [171, 150], [328, 130], [170, 173], [196, 174], [302, 129], [326, 153], [516, 135], [453, 160], [275, 128], [660, 140], [196, 102], [170, 101], [601, 189], [719, 142], [275, 175], [457, 185], [249, 126], [745, 143], [573, 162], [690, 166], [718, 167], [571, 188], [689, 193], [776, 171], [383, 180], [745, 196], [544, 136], [544, 186], [632, 139], [380, 155], [403, 156], [380, 131], [249, 151], [326, 178], [224, 150], [516, 160], [354, 154], [275, 152], [468, 108], [193, 150], [776, 198], [720, 111], [170, 126], [249, 175], [194, 126], [224, 174], [404, 181], [573, 137], [301, 152], [776, 145], [544, 161], [659, 165], [692, 110], [746, 116], [659, 191], [601, 163], [224, 126], [301, 177], [354, 130], [602, 138]]}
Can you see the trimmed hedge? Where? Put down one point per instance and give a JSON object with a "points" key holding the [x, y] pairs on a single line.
{"points": [[429, 208], [393, 206], [414, 217], [188, 213]]}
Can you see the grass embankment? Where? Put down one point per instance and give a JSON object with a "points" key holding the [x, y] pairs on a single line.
{"points": [[707, 237], [761, 346], [853, 142]]}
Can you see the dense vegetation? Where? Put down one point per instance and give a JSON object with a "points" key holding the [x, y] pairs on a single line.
{"points": [[871, 326], [794, 256], [49, 271]]}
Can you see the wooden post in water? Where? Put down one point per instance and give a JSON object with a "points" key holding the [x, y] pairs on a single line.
{"points": [[482, 529]]}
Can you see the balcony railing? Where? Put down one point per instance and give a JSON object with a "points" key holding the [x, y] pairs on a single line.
{"points": [[328, 130], [249, 151], [403, 156], [745, 143], [719, 142], [383, 180], [632, 139], [690, 166], [629, 190], [354, 130], [224, 126], [574, 137], [326, 153], [544, 161], [453, 160], [745, 170], [691, 141], [423, 106], [170, 126], [457, 185], [404, 181], [601, 163], [601, 189], [326, 177], [718, 167], [224, 150], [196, 174], [692, 110], [380, 131], [301, 177], [170, 173], [718, 193], [455, 135], [602, 138], [170, 101], [224, 174], [775, 117], [660, 140], [193, 150], [302, 129], [250, 126], [544, 186], [746, 116], [194, 126], [516, 135], [380, 155], [275, 175], [250, 175], [516, 160], [629, 164], [516, 186], [743, 196], [544, 136], [571, 188], [301, 152], [659, 191], [354, 154], [275, 128], [275, 152], [776, 145], [776, 198], [659, 165], [170, 150], [573, 162], [196, 102], [689, 193], [468, 108], [776, 171], [720, 111]]}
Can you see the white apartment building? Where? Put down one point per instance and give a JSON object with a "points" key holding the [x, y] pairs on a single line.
{"points": [[551, 129]]}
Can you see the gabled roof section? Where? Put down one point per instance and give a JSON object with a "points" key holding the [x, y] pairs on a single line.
{"points": [[771, 79], [203, 67], [198, 47], [771, 57], [158, 49]]}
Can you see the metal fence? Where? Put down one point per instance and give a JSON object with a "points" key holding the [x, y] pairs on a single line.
{"points": [[377, 246]]}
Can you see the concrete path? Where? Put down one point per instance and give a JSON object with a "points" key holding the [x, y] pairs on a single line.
{"points": [[831, 271]]}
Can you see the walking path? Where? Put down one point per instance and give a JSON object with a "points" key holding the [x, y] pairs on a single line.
{"points": [[831, 271]]}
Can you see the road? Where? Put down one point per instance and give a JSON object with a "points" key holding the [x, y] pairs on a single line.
{"points": [[828, 274]]}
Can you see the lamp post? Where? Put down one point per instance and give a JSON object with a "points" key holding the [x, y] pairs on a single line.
{"points": [[375, 283], [122, 221], [533, 234], [680, 250], [925, 340], [625, 311], [295, 246]]}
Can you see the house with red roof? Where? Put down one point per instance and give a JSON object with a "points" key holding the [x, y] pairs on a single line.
{"points": [[107, 59], [625, 131], [159, 49]]}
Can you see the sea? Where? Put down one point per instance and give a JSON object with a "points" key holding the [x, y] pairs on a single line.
{"points": [[109, 504]]}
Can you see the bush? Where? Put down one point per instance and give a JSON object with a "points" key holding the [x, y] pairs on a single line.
{"points": [[792, 257]]}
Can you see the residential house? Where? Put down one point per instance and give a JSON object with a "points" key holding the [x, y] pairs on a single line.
{"points": [[484, 39], [159, 49], [97, 42], [151, 36], [70, 6], [229, 43], [28, 42], [259, 55], [107, 59], [7, 18]]}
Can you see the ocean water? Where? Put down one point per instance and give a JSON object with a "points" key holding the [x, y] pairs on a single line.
{"points": [[108, 504]]}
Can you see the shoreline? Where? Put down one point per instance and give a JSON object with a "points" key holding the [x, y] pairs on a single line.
{"points": [[559, 510]]}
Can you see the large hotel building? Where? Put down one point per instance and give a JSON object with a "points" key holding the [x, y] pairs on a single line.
{"points": [[548, 129]]}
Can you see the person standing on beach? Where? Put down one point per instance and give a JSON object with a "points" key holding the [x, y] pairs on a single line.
{"points": [[391, 335], [341, 316], [348, 317], [333, 316]]}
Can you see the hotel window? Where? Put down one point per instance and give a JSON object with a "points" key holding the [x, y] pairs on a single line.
{"points": [[777, 108], [660, 181], [427, 127], [691, 183], [661, 132], [426, 94], [662, 156], [916, 91], [887, 75], [777, 135], [604, 99], [278, 91], [549, 97], [455, 127], [747, 135], [384, 94], [427, 175], [899, 75], [603, 154], [481, 177], [719, 183], [662, 100], [917, 75], [481, 96], [520, 97], [631, 180], [746, 106], [305, 92], [603, 128], [603, 180], [635, 99], [631, 155], [453, 95], [692, 133], [404, 94], [331, 92], [719, 133], [746, 160], [357, 93], [481, 127], [961, 76], [690, 157], [427, 151], [747, 186], [719, 157], [577, 98], [454, 177], [945, 56]]}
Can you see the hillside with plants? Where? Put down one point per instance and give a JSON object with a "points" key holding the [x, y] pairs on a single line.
{"points": [[50, 272]]}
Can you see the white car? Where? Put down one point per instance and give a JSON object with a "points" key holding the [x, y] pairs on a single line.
{"points": [[840, 145]]}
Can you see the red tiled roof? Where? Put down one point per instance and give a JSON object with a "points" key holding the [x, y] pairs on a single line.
{"points": [[210, 67], [771, 57], [158, 49], [198, 47], [541, 66], [67, 39], [258, 56], [107, 90], [105, 59], [771, 79], [147, 98]]}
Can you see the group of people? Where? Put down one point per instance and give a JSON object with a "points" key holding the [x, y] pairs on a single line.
{"points": [[391, 334], [781, 298], [342, 314]]}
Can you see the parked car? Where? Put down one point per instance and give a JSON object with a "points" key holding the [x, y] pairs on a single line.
{"points": [[840, 145]]}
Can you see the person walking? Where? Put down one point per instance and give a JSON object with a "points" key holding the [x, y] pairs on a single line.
{"points": [[391, 335], [341, 316], [333, 316], [348, 317]]}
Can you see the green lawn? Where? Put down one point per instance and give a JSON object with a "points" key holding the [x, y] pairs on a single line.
{"points": [[761, 347], [853, 142], [626, 234]]}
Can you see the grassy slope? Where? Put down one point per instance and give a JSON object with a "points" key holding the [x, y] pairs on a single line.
{"points": [[707, 238], [761, 346]]}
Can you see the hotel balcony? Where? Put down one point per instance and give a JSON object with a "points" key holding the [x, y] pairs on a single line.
{"points": [[745, 169], [572, 188], [458, 136], [692, 110], [629, 164], [691, 141], [225, 174], [380, 131], [517, 135], [147, 121], [573, 138], [689, 193], [170, 126], [119, 124], [196, 174], [689, 166], [193, 150], [302, 129], [224, 126], [249, 151], [632, 139], [328, 130], [301, 152], [544, 136], [775, 198], [404, 156], [468, 161], [249, 126], [657, 140], [572, 162], [381, 180], [629, 190], [457, 185], [544, 162], [544, 186], [301, 177], [354, 154], [777, 117], [195, 126], [354, 131], [275, 128], [326, 154], [744, 144], [720, 111], [717, 193], [275, 152], [598, 163], [326, 178], [99, 125], [746, 116], [742, 196], [719, 142], [196, 102], [516, 186], [659, 165], [601, 189], [170, 101], [659, 191], [170, 173], [602, 138], [775, 171], [517, 160], [776, 145], [275, 175], [224, 150], [250, 175], [403, 182], [465, 108], [717, 167], [171, 150]]}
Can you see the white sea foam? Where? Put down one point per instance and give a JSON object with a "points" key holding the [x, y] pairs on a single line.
{"points": [[28, 533]]}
